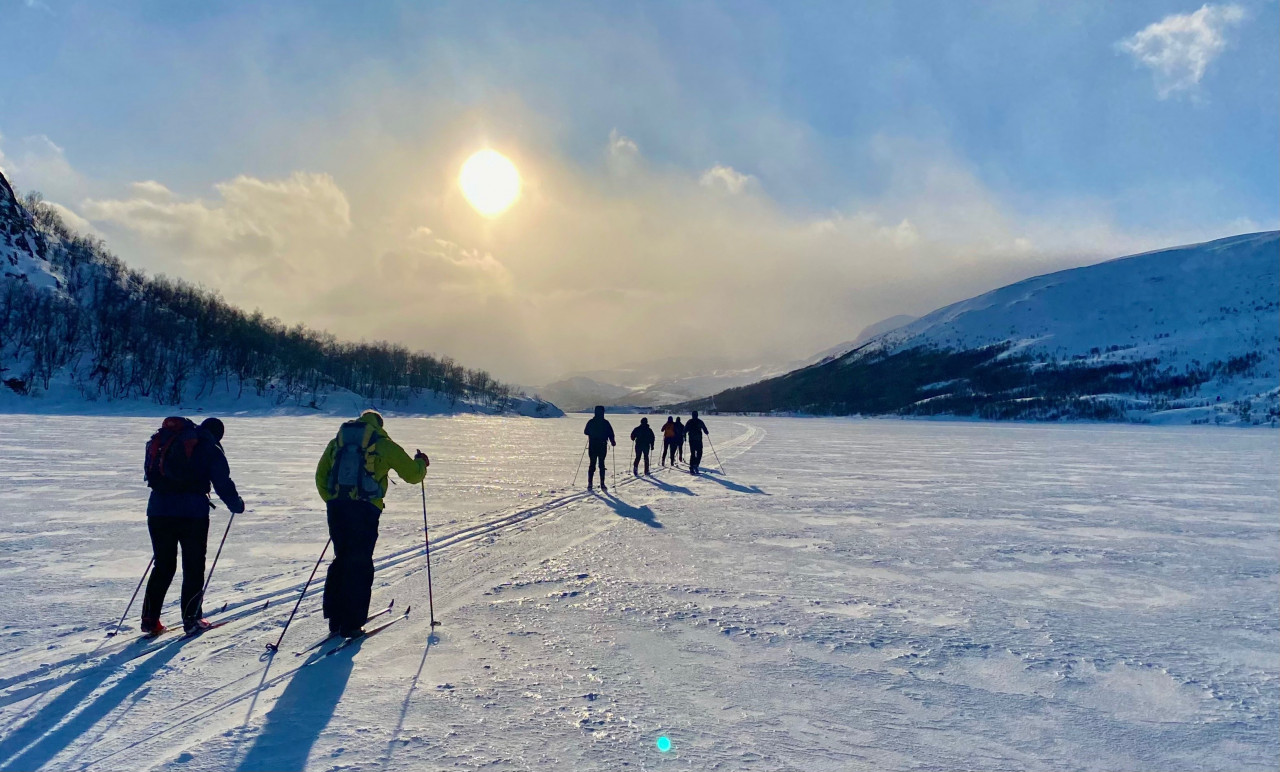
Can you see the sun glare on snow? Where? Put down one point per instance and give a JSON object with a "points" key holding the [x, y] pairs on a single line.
{"points": [[490, 182]]}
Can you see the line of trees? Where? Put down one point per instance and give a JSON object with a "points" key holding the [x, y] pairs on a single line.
{"points": [[122, 334]]}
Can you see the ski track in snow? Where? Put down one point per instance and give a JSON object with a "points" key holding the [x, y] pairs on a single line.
{"points": [[850, 595]]}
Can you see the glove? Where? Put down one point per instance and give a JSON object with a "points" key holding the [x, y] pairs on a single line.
{"points": [[423, 456], [236, 506]]}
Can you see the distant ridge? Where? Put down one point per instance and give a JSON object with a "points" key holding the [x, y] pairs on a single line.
{"points": [[1183, 335]]}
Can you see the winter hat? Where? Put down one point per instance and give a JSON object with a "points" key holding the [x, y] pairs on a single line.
{"points": [[214, 426]]}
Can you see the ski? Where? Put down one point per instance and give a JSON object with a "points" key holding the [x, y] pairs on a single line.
{"points": [[331, 636], [201, 630], [367, 633]]}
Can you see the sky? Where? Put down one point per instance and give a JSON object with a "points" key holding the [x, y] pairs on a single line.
{"points": [[738, 182]]}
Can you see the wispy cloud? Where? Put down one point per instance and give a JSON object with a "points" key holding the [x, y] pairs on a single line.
{"points": [[726, 178], [1179, 48]]}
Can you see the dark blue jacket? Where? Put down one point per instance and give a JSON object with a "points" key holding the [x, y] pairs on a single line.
{"points": [[599, 433], [210, 466], [695, 428]]}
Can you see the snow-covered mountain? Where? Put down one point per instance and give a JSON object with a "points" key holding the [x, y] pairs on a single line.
{"points": [[869, 332], [1190, 333], [658, 383], [579, 392], [23, 249], [82, 333]]}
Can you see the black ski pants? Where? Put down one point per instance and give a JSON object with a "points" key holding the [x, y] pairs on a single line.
{"points": [[353, 526], [641, 452], [167, 534], [597, 456], [668, 450], [695, 456]]}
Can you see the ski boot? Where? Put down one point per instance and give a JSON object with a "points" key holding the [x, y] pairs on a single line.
{"points": [[152, 626], [195, 625]]}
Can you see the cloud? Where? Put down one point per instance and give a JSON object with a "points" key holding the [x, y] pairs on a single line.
{"points": [[151, 190], [726, 178], [1179, 48], [38, 163], [251, 217], [621, 146], [584, 270]]}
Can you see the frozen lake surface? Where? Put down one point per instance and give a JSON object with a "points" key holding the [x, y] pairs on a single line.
{"points": [[848, 595]]}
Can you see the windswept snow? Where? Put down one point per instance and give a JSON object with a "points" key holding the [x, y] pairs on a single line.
{"points": [[847, 595]]}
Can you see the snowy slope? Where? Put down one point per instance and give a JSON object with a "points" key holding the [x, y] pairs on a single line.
{"points": [[53, 358], [581, 393], [1190, 334], [1197, 303], [959, 596], [22, 249], [869, 332]]}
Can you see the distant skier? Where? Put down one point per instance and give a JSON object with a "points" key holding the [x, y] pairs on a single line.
{"points": [[599, 436], [183, 461], [352, 479], [679, 439], [669, 441], [695, 429], [643, 437]]}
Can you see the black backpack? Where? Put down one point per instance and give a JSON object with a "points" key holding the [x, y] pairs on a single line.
{"points": [[351, 475], [169, 466]]}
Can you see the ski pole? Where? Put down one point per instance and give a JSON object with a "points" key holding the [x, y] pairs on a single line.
{"points": [[579, 469], [274, 647], [119, 624], [714, 453], [426, 534], [199, 599]]}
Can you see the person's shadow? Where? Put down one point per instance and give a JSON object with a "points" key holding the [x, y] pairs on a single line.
{"points": [[36, 741], [623, 509], [302, 712], [733, 486], [666, 486]]}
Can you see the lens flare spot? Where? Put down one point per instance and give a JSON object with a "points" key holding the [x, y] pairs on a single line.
{"points": [[664, 744]]}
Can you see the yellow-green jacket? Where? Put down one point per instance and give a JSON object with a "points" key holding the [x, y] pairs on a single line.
{"points": [[383, 456]]}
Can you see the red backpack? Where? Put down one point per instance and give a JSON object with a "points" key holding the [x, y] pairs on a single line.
{"points": [[168, 467]]}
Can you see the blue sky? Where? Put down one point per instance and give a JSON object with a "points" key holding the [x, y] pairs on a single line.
{"points": [[936, 149]]}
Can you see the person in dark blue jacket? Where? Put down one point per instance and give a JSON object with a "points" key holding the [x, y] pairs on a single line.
{"points": [[599, 436], [183, 462]]}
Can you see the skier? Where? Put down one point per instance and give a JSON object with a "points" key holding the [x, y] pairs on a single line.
{"points": [[669, 441], [352, 479], [643, 437], [598, 431], [183, 461], [679, 438], [695, 429]]}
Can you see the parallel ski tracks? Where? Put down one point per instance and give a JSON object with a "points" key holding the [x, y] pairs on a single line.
{"points": [[237, 612]]}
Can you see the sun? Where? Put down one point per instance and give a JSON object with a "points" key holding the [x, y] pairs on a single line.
{"points": [[490, 182]]}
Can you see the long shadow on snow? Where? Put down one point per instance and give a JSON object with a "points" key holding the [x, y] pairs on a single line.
{"points": [[666, 486], [404, 706], [39, 732], [302, 712], [733, 486], [623, 509]]}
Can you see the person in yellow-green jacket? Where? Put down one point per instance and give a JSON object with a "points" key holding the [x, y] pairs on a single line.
{"points": [[352, 480]]}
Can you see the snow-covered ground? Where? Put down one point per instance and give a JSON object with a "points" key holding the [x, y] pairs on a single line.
{"points": [[848, 595]]}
